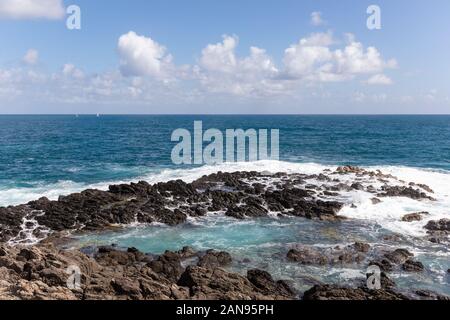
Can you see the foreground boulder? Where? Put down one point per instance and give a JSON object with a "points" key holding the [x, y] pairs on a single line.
{"points": [[219, 284], [213, 259], [41, 272]]}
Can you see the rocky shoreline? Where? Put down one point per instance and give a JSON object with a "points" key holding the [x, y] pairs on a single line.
{"points": [[34, 266]]}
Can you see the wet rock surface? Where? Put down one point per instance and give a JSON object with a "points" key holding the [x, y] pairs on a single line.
{"points": [[40, 271], [438, 231], [338, 255], [214, 259], [411, 217], [240, 195]]}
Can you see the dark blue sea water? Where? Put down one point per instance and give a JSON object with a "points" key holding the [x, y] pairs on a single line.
{"points": [[89, 149], [54, 155]]}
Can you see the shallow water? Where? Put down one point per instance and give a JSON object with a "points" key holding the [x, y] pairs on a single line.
{"points": [[263, 243]]}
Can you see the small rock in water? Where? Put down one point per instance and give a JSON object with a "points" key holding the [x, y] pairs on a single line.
{"points": [[441, 225], [417, 216], [375, 201], [413, 266], [399, 256], [307, 256]]}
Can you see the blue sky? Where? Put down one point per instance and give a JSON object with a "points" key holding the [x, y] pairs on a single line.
{"points": [[141, 56]]}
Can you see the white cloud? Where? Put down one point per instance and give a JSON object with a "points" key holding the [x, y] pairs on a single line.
{"points": [[360, 97], [69, 70], [314, 59], [147, 73], [379, 79], [355, 59], [220, 70], [142, 56], [316, 19], [220, 56], [31, 57], [305, 57], [32, 9]]}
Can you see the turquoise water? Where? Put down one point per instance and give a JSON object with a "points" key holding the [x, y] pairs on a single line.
{"points": [[264, 243]]}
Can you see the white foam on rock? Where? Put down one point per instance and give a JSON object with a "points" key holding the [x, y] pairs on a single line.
{"points": [[390, 211], [388, 214]]}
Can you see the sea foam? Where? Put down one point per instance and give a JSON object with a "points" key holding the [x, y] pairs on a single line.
{"points": [[387, 214]]}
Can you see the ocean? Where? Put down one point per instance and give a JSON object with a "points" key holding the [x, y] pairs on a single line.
{"points": [[50, 155], [58, 155]]}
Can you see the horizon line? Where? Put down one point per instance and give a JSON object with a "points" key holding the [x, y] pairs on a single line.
{"points": [[224, 114]]}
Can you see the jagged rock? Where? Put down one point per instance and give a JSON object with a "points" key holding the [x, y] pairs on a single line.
{"points": [[168, 264], [413, 266], [441, 225], [430, 295], [332, 292], [357, 186], [423, 186], [127, 287], [361, 247], [375, 201], [402, 191], [28, 254], [218, 284], [214, 259], [117, 274], [264, 282], [186, 253], [39, 272], [417, 216], [307, 256], [438, 231], [398, 256], [391, 260]]}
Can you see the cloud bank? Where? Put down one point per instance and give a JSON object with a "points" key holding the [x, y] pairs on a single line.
{"points": [[31, 9], [147, 73]]}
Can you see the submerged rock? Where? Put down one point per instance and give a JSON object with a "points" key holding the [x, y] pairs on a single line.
{"points": [[438, 231], [417, 216], [413, 266], [375, 201], [309, 255], [398, 256]]}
